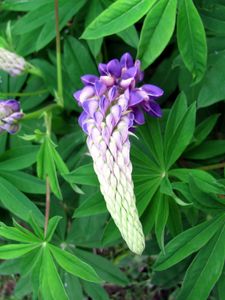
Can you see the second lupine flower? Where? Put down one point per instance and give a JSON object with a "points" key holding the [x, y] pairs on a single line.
{"points": [[9, 115], [113, 105], [11, 63]]}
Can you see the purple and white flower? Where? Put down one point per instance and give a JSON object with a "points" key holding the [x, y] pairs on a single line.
{"points": [[10, 114], [113, 105], [11, 63]]}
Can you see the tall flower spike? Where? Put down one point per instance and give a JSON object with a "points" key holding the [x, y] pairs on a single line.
{"points": [[11, 62], [112, 106], [9, 115]]}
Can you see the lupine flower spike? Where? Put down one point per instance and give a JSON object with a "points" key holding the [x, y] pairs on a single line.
{"points": [[112, 106], [11, 62], [9, 115]]}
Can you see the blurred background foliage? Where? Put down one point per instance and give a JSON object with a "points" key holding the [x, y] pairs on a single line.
{"points": [[178, 161]]}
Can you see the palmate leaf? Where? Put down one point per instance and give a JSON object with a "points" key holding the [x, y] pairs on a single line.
{"points": [[51, 283], [161, 217], [12, 251], [24, 182], [17, 203], [117, 17], [74, 265], [18, 234], [188, 242], [104, 268], [205, 269], [180, 137], [18, 158], [48, 161]]}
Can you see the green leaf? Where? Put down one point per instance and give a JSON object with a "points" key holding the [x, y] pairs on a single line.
{"points": [[92, 205], [74, 265], [176, 114], [117, 17], [204, 199], [162, 213], [220, 286], [191, 39], [104, 268], [17, 203], [16, 234], [181, 137], [12, 251], [188, 242], [95, 291], [46, 166], [205, 269], [25, 182], [51, 284], [212, 89], [157, 31], [79, 176], [67, 10], [207, 149], [52, 225], [203, 129], [18, 158], [130, 36]]}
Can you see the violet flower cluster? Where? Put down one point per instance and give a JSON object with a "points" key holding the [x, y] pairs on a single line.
{"points": [[10, 114], [113, 105], [11, 63]]}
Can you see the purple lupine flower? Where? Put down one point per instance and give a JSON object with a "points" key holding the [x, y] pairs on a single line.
{"points": [[113, 105], [9, 115], [11, 63]]}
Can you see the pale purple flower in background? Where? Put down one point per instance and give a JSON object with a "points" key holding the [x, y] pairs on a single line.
{"points": [[113, 105], [10, 114], [11, 63]]}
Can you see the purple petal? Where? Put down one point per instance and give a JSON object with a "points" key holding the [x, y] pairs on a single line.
{"points": [[113, 93], [13, 118], [153, 90], [10, 128], [100, 88], [98, 117], [107, 80], [76, 95], [138, 116], [116, 111], [89, 79], [90, 107], [86, 93], [123, 102], [103, 104], [82, 118], [114, 68], [125, 83], [102, 69], [139, 74], [130, 73], [13, 104], [126, 61], [136, 97], [155, 109]]}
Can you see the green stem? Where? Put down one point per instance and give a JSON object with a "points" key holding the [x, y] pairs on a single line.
{"points": [[28, 94], [38, 113], [58, 57], [213, 167]]}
